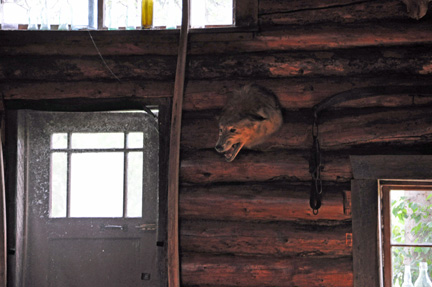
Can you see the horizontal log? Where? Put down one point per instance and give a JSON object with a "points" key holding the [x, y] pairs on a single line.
{"points": [[272, 12], [85, 43], [271, 239], [296, 93], [210, 167], [401, 127], [344, 130], [403, 61], [207, 270], [391, 61], [86, 68], [265, 202], [293, 93], [134, 43], [85, 89]]}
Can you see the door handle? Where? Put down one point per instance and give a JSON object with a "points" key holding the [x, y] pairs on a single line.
{"points": [[113, 227]]}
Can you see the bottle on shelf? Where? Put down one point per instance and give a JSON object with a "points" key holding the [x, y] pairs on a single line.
{"points": [[147, 14], [407, 277], [423, 279]]}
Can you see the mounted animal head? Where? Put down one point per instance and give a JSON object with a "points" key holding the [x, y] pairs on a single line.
{"points": [[417, 8], [248, 119]]}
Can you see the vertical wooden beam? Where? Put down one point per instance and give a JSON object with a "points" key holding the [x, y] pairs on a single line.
{"points": [[246, 13], [365, 232], [3, 248], [174, 155]]}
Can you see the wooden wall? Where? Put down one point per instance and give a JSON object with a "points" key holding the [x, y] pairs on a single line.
{"points": [[248, 223]]}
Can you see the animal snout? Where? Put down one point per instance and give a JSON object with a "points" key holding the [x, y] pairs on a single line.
{"points": [[219, 148]]}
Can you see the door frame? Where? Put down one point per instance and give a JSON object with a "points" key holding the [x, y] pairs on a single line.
{"points": [[15, 171]]}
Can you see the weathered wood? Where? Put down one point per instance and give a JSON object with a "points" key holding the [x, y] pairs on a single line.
{"points": [[84, 89], [165, 43], [348, 129], [3, 223], [265, 202], [79, 43], [173, 260], [293, 93], [401, 127], [86, 68], [392, 167], [271, 239], [344, 12], [365, 232], [210, 167], [411, 61], [407, 61], [207, 270], [246, 13]]}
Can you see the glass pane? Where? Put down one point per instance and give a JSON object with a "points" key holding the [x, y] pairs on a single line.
{"points": [[59, 141], [122, 13], [58, 198], [96, 184], [411, 256], [40, 14], [134, 184], [411, 211], [167, 13], [135, 140], [219, 12], [97, 140]]}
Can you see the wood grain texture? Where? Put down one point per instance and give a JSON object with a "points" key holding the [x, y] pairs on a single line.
{"points": [[262, 202], [208, 270], [273, 12], [271, 239]]}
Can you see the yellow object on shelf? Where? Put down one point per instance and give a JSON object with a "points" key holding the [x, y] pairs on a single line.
{"points": [[147, 14]]}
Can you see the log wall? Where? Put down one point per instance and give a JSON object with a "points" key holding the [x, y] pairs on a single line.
{"points": [[248, 223]]}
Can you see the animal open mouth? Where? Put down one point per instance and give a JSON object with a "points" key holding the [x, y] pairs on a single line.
{"points": [[232, 152]]}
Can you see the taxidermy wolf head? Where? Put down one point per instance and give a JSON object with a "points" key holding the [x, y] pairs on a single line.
{"points": [[248, 119]]}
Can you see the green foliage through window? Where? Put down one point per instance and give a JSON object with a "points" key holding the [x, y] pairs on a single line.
{"points": [[411, 225]]}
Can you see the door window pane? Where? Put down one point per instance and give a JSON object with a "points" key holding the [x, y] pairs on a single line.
{"points": [[97, 184], [134, 184], [58, 196], [97, 140], [59, 141], [135, 140]]}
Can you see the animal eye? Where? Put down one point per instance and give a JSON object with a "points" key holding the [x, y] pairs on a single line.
{"points": [[232, 130]]}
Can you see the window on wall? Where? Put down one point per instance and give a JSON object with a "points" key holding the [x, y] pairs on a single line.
{"points": [[113, 14], [378, 255], [406, 231]]}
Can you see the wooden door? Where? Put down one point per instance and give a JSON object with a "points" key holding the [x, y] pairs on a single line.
{"points": [[92, 200]]}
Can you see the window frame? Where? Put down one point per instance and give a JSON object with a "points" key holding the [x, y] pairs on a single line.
{"points": [[385, 244], [14, 150], [245, 15], [369, 172]]}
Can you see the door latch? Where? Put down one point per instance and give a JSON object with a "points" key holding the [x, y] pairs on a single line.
{"points": [[147, 227]]}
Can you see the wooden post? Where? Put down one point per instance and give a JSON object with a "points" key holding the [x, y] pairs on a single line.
{"points": [[3, 234], [174, 155]]}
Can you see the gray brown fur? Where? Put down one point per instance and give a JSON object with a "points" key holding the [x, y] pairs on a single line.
{"points": [[248, 119]]}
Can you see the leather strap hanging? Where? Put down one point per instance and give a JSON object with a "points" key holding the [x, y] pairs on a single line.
{"points": [[174, 154]]}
